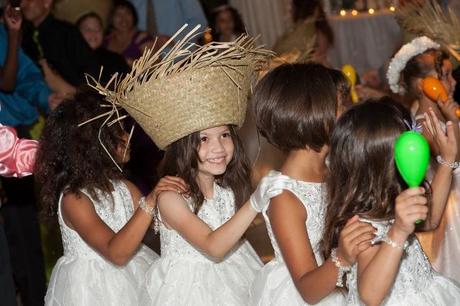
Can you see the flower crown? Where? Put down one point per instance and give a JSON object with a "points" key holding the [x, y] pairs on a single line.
{"points": [[398, 62]]}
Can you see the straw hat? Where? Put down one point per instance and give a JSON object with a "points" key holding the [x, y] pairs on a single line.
{"points": [[188, 89]]}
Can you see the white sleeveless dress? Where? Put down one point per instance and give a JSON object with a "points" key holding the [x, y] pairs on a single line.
{"points": [[442, 245], [416, 282], [84, 277], [274, 285], [185, 276]]}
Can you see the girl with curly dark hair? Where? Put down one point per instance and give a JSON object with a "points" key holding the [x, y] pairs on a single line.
{"points": [[364, 181], [102, 216]]}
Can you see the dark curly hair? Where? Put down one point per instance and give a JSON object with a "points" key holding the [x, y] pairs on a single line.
{"points": [[181, 159], [70, 157]]}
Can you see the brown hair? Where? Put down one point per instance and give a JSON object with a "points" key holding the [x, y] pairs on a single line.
{"points": [[181, 159], [416, 68], [295, 105], [364, 180]]}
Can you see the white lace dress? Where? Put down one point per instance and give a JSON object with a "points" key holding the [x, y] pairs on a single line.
{"points": [[274, 285], [442, 245], [185, 276], [416, 282], [82, 276]]}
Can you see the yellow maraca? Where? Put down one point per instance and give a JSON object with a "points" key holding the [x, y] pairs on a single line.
{"points": [[350, 73]]}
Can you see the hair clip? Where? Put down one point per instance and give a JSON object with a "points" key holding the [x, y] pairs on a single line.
{"points": [[414, 126]]}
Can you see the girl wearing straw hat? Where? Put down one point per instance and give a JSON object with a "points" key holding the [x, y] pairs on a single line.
{"points": [[190, 103]]}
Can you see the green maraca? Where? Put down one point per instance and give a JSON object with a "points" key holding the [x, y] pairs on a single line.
{"points": [[412, 156]]}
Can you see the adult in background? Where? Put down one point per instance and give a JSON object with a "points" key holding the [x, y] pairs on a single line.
{"points": [[227, 24], [56, 41], [169, 16], [124, 36], [22, 92], [91, 28]]}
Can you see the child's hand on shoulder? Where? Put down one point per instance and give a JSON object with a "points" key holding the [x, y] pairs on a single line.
{"points": [[167, 183], [446, 141], [411, 205], [354, 238]]}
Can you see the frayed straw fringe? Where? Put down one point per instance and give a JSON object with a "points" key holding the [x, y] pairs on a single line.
{"points": [[431, 20]]}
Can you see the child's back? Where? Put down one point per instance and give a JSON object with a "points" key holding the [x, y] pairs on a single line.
{"points": [[82, 268]]}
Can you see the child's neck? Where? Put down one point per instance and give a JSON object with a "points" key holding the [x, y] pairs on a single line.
{"points": [[306, 165], [206, 184]]}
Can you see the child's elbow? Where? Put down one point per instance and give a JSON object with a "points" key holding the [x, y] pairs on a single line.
{"points": [[119, 260], [216, 254], [369, 298], [311, 300]]}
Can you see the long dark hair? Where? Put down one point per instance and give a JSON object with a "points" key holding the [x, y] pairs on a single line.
{"points": [[363, 177], [71, 158], [181, 159]]}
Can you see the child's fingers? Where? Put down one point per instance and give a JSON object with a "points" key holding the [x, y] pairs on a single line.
{"points": [[450, 131], [435, 122], [429, 120], [355, 229], [353, 219], [177, 181], [364, 246], [362, 238], [426, 126], [410, 192]]}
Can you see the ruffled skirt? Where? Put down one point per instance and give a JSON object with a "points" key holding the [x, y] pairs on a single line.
{"points": [[95, 281], [187, 280]]}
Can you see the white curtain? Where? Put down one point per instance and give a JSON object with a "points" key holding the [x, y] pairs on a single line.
{"points": [[269, 18]]}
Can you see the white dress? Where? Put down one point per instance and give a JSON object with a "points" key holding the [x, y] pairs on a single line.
{"points": [[84, 277], [442, 245], [274, 285], [185, 276], [416, 282]]}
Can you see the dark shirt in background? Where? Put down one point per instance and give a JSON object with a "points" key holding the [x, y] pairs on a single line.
{"points": [[62, 45]]}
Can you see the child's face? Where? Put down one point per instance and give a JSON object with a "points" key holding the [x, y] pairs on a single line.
{"points": [[91, 30], [446, 77], [225, 23], [216, 150]]}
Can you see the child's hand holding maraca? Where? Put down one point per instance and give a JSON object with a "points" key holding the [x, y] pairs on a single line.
{"points": [[434, 90], [446, 141], [450, 110], [410, 207]]}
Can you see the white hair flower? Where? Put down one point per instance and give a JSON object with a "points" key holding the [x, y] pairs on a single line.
{"points": [[398, 62]]}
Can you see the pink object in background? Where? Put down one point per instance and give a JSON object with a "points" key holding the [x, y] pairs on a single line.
{"points": [[17, 156]]}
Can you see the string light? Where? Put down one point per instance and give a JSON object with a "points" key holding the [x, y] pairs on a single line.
{"points": [[354, 12], [371, 11], [343, 12], [392, 8]]}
